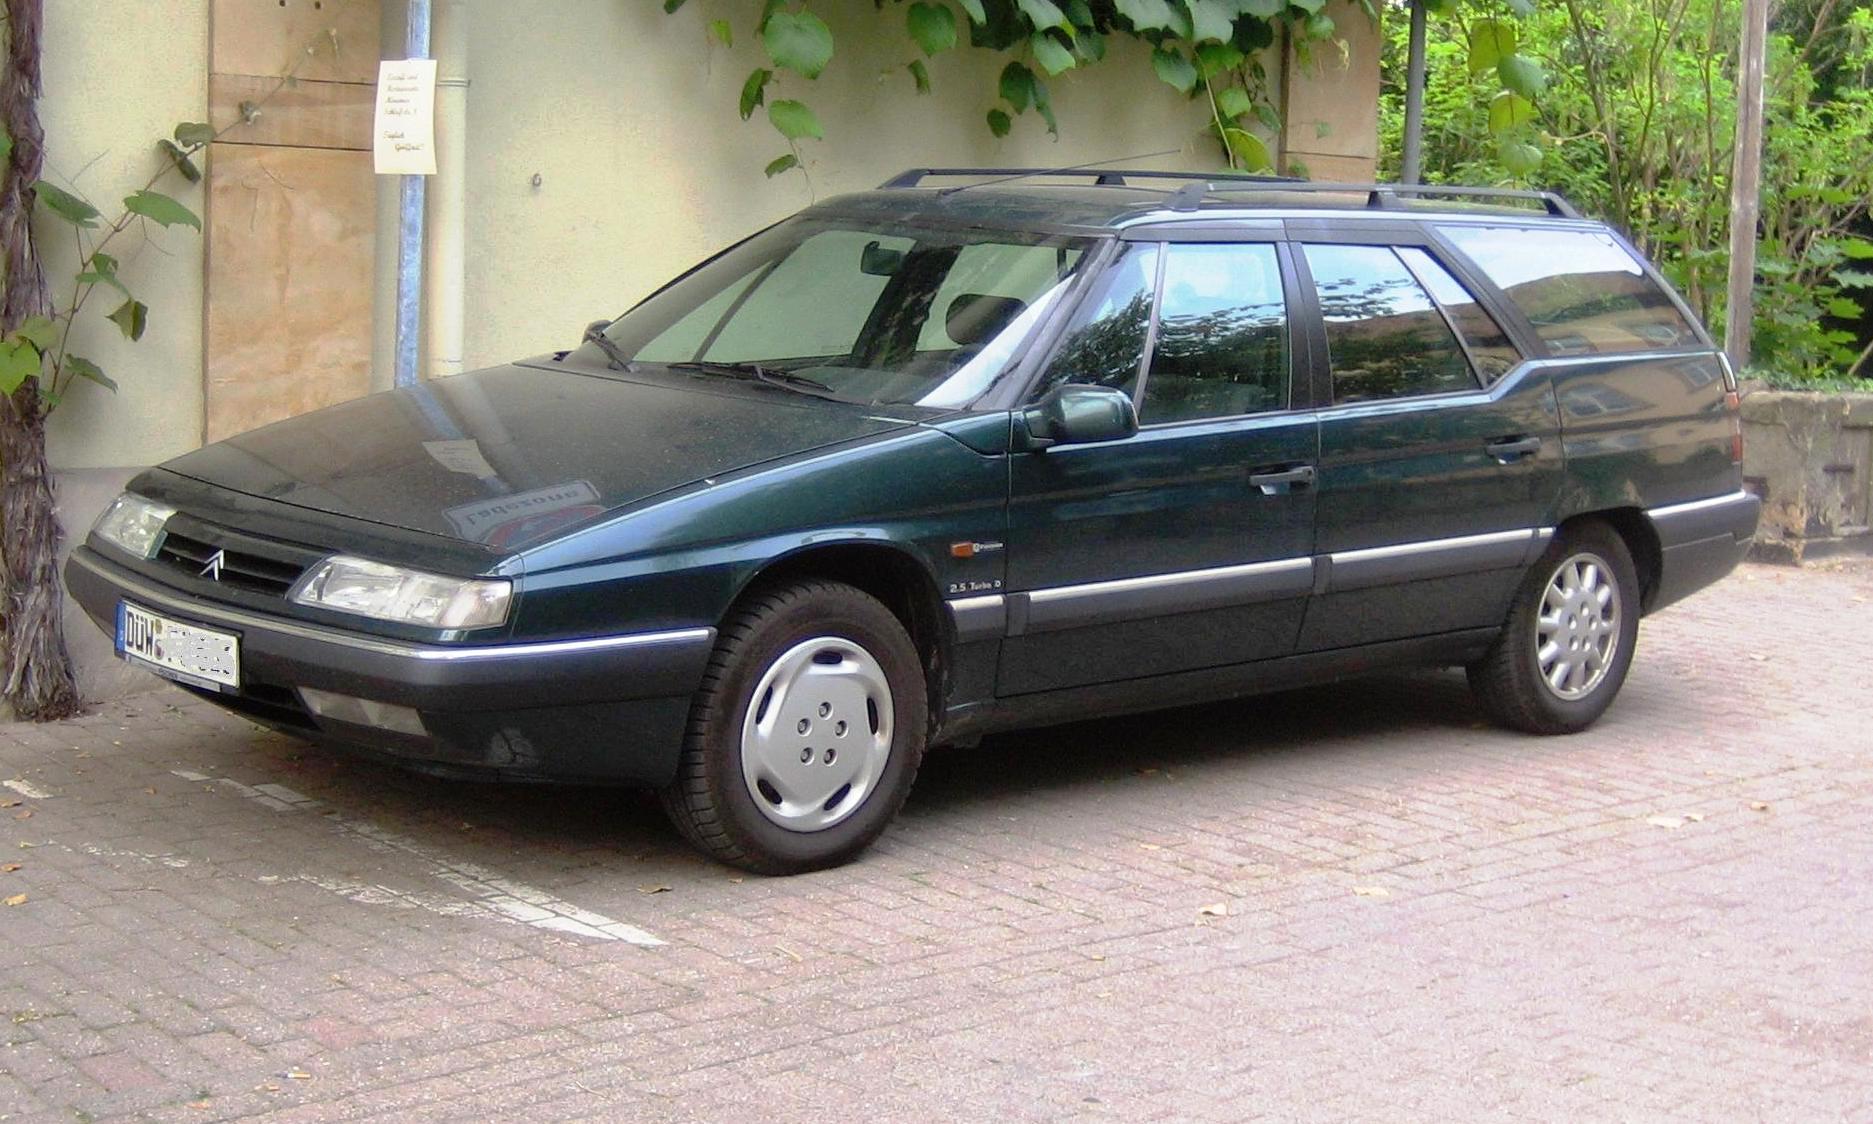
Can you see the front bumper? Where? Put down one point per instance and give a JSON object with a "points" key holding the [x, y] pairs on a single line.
{"points": [[609, 708]]}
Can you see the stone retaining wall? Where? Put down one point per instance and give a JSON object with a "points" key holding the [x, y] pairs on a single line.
{"points": [[1810, 457]]}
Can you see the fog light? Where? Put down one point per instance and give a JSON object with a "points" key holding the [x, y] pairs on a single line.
{"points": [[363, 712]]}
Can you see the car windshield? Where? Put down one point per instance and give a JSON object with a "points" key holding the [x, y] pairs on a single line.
{"points": [[884, 314]]}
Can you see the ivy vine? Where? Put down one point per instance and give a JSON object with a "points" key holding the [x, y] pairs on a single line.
{"points": [[1204, 49]]}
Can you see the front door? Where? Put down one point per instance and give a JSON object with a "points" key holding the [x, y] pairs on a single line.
{"points": [[1440, 458], [1187, 545]]}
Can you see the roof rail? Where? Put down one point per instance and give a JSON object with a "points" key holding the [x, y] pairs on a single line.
{"points": [[1380, 196]]}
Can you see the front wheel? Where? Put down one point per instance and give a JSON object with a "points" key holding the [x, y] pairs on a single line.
{"points": [[807, 732], [1567, 645]]}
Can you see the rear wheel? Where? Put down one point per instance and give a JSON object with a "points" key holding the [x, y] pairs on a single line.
{"points": [[1569, 640], [807, 732]]}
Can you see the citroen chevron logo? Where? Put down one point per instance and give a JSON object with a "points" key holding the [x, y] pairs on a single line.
{"points": [[212, 571]]}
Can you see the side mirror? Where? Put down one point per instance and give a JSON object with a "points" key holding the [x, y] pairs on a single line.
{"points": [[594, 328], [1076, 414]]}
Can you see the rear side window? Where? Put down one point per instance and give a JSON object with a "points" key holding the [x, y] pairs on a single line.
{"points": [[1385, 339], [1491, 353], [1584, 293]]}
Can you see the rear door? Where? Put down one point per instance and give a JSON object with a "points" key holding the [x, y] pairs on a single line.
{"points": [[1188, 544], [1440, 458]]}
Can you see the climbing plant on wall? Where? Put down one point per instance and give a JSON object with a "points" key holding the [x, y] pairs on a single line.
{"points": [[1210, 50]]}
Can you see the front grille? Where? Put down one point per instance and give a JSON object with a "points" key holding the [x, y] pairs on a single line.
{"points": [[241, 569]]}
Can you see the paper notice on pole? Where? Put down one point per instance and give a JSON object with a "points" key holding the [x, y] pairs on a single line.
{"points": [[404, 136]]}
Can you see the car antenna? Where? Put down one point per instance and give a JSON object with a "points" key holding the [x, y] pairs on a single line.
{"points": [[947, 191]]}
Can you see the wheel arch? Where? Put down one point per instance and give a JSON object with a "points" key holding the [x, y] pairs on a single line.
{"points": [[1641, 539], [886, 571]]}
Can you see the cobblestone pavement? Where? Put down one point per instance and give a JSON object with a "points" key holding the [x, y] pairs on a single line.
{"points": [[1348, 902]]}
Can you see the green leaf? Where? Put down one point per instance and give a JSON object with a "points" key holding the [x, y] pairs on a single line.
{"points": [[1519, 157], [1248, 149], [1215, 58], [932, 27], [754, 91], [194, 134], [1145, 15], [671, 5], [1233, 101], [1262, 9], [976, 13], [800, 42], [1845, 278], [1045, 108], [1320, 25], [1080, 13], [1309, 6], [86, 369], [1509, 111], [66, 205], [160, 208], [1858, 248], [18, 362], [999, 124], [919, 75], [1523, 75], [1491, 41], [1044, 14], [132, 316], [181, 160], [1175, 69], [1017, 86], [1210, 20], [1842, 308], [103, 271], [781, 164], [723, 33], [794, 120], [1270, 120], [1090, 46], [40, 331], [1052, 56]]}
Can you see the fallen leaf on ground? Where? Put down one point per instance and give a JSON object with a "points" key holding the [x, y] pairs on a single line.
{"points": [[8, 868], [9, 803], [1758, 657], [151, 789], [1758, 806], [657, 889], [1372, 891], [1151, 846], [17, 899], [1694, 817], [1217, 909], [298, 1075], [23, 814], [1665, 821], [796, 957], [1095, 956]]}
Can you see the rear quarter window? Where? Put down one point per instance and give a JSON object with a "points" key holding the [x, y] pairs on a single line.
{"points": [[1582, 291]]}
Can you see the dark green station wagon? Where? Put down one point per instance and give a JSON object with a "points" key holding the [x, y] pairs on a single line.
{"points": [[928, 462]]}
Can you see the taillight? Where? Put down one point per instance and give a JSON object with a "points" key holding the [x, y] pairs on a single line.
{"points": [[1733, 405]]}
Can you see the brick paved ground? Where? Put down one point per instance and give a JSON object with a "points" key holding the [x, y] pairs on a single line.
{"points": [[1354, 902]]}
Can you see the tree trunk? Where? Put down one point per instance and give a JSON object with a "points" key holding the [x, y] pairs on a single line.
{"points": [[38, 672]]}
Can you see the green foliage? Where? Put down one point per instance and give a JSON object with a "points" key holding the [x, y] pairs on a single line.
{"points": [[1630, 112], [66, 205]]}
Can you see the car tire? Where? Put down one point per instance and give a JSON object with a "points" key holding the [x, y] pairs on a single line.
{"points": [[1569, 639], [806, 734]]}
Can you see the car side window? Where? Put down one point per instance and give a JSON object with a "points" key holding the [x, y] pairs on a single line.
{"points": [[1222, 342], [1385, 337], [1105, 343], [1490, 350], [1583, 292]]}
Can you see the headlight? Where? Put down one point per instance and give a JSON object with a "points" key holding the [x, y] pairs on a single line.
{"points": [[133, 524], [392, 593]]}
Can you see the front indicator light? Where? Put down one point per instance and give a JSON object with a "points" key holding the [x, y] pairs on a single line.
{"points": [[392, 593]]}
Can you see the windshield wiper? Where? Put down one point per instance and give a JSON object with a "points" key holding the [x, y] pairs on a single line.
{"points": [[614, 355], [754, 372]]}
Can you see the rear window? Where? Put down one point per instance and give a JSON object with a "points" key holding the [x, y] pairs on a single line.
{"points": [[1584, 293]]}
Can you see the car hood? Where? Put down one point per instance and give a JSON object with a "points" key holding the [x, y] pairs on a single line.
{"points": [[508, 456]]}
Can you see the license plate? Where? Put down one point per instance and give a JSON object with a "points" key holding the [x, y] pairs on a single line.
{"points": [[183, 652]]}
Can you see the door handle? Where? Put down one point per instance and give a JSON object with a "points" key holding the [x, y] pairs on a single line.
{"points": [[1283, 481], [1511, 449]]}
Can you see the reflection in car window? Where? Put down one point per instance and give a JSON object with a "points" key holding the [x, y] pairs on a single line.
{"points": [[1222, 344], [1580, 288], [875, 312], [1105, 344], [1385, 339], [1490, 350]]}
